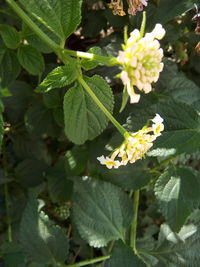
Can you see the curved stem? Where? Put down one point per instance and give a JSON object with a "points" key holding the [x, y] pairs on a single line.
{"points": [[101, 106], [59, 50], [55, 47], [134, 223]]}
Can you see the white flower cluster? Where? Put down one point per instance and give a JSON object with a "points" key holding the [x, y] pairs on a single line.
{"points": [[141, 61], [135, 145]]}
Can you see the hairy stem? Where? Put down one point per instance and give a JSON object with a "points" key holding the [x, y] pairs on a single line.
{"points": [[101, 106], [134, 223]]}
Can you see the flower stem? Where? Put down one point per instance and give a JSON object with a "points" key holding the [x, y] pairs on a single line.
{"points": [[101, 106], [134, 223], [109, 61], [55, 47], [58, 49], [143, 25], [88, 262]]}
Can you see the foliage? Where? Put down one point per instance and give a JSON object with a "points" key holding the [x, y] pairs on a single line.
{"points": [[61, 102]]}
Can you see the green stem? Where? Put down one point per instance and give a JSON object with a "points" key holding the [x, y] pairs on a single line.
{"points": [[101, 59], [101, 106], [142, 28], [88, 262], [134, 223], [55, 47]]}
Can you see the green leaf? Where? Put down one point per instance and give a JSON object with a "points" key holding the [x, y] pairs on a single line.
{"points": [[177, 190], [76, 160], [18, 102], [9, 67], [58, 115], [40, 239], [165, 13], [59, 187], [59, 77], [89, 64], [182, 126], [52, 99], [183, 89], [177, 249], [10, 36], [31, 172], [123, 255], [101, 211], [12, 254], [40, 121], [130, 177], [34, 40], [70, 15], [61, 17], [83, 118], [26, 147], [30, 59]]}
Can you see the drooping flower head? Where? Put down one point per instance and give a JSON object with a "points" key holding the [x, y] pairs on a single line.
{"points": [[141, 61], [135, 145], [133, 6], [117, 6], [136, 5]]}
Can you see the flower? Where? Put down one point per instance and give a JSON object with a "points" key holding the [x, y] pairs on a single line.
{"points": [[135, 145], [158, 125], [109, 162], [141, 61], [117, 6], [136, 5]]}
